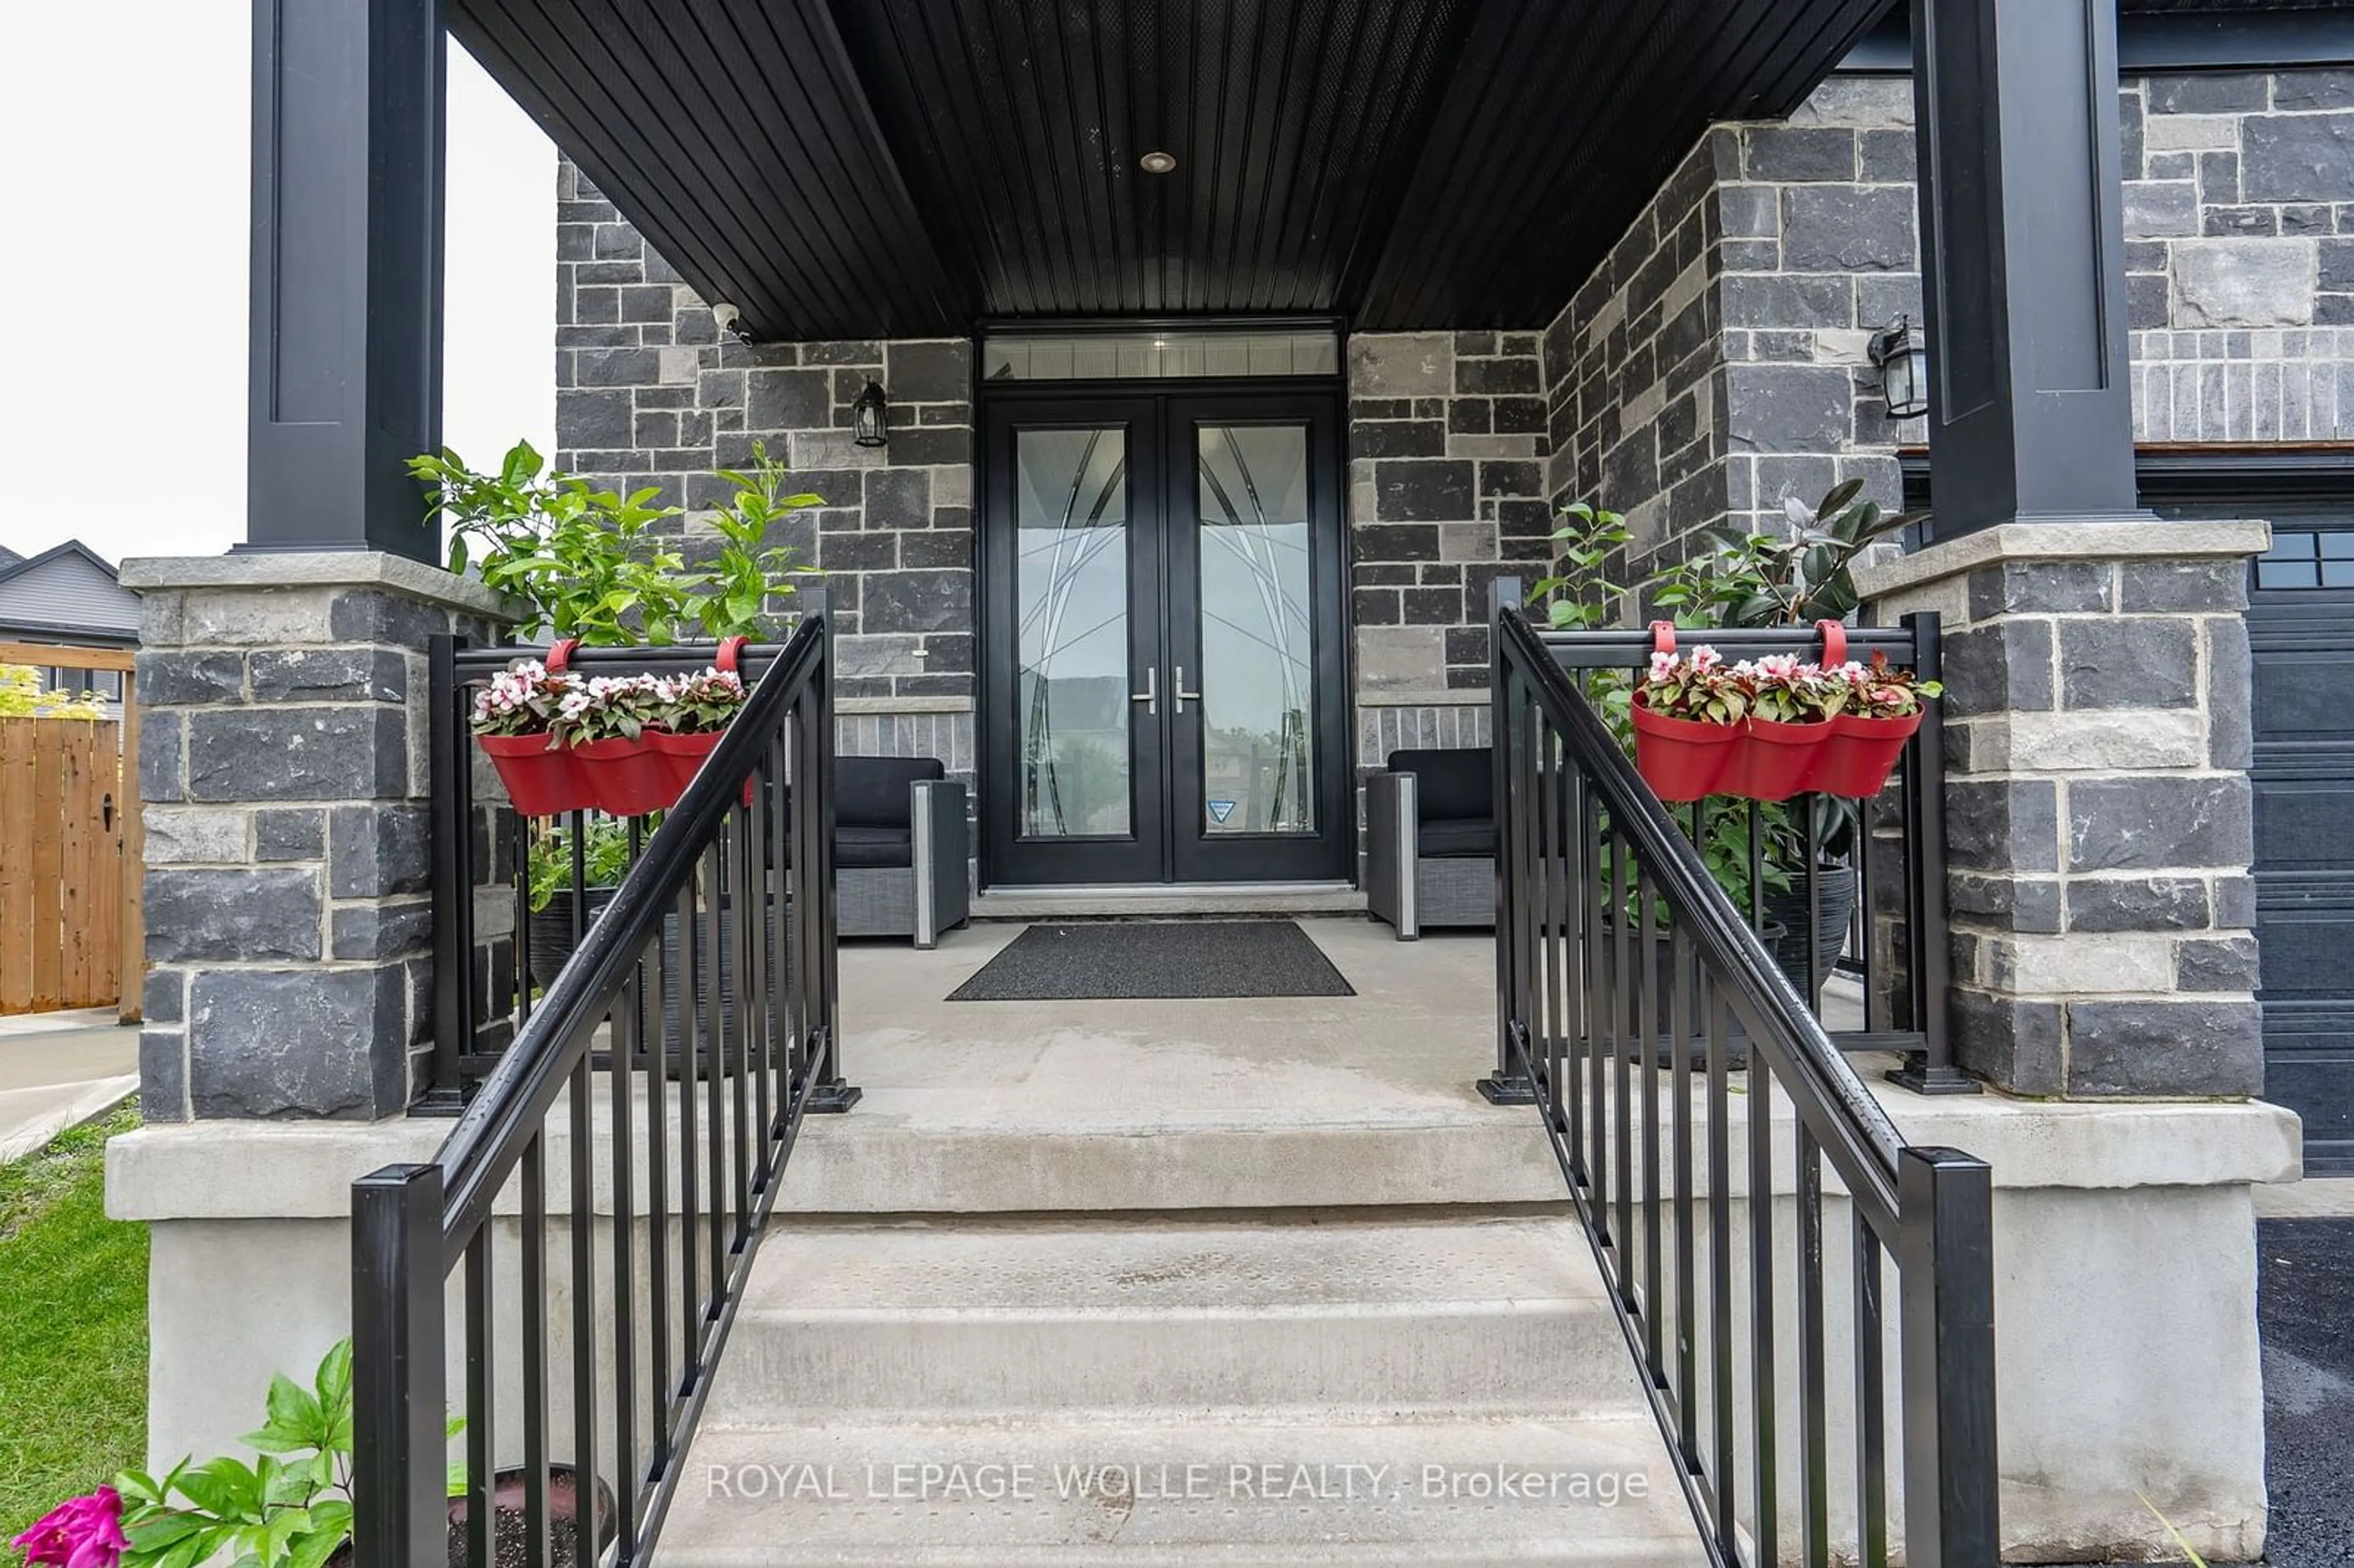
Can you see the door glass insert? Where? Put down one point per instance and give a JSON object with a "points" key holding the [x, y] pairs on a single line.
{"points": [[1257, 632], [1072, 676]]}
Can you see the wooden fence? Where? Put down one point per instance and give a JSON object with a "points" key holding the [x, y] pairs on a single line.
{"points": [[71, 849]]}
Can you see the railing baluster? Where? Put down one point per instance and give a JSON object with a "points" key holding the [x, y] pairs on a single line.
{"points": [[1720, 1259], [1602, 1014], [1814, 1444], [714, 1070], [690, 1213], [1871, 1402], [1762, 1372], [535, 1350], [481, 1387], [628, 1057], [751, 921], [1628, 1046], [1682, 1032], [1651, 1036], [1577, 1024], [659, 1057], [585, 1357]]}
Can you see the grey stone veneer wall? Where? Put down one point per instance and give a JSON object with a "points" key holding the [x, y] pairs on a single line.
{"points": [[1446, 448], [1716, 362], [283, 763], [648, 395]]}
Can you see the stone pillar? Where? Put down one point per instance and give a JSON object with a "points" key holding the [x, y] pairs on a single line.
{"points": [[2098, 814], [283, 762]]}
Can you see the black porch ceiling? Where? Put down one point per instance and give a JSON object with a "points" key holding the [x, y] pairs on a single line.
{"points": [[898, 167]]}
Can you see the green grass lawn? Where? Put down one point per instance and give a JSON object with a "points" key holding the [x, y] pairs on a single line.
{"points": [[73, 1328]]}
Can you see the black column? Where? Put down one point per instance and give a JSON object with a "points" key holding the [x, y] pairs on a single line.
{"points": [[346, 369], [2022, 260]]}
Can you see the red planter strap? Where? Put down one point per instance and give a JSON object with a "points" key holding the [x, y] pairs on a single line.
{"points": [[1834, 644], [559, 658], [730, 649], [1663, 636]]}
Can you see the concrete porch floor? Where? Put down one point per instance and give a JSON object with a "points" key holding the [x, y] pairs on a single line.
{"points": [[1215, 1103]]}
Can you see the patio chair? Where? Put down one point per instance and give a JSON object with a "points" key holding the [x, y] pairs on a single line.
{"points": [[899, 848], [1431, 841]]}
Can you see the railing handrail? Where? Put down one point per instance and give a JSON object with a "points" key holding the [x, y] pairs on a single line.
{"points": [[1863, 1141], [484, 1148]]}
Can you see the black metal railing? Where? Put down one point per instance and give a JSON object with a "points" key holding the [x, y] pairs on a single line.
{"points": [[598, 1204], [497, 937], [1852, 890], [1643, 1009]]}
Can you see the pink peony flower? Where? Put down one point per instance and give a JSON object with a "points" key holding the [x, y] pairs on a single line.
{"points": [[81, 1532]]}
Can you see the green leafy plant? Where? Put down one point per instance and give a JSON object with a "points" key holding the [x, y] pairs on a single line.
{"points": [[1794, 578], [22, 696], [580, 558], [292, 1507], [730, 599], [605, 854], [1579, 592]]}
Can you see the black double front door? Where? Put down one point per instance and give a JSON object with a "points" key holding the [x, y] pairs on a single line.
{"points": [[1166, 677]]}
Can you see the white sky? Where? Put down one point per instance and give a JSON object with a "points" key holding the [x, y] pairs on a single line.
{"points": [[124, 165]]}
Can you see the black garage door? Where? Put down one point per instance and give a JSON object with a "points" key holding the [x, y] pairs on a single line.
{"points": [[2301, 629]]}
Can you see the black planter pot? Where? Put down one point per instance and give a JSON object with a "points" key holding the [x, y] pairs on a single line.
{"points": [[673, 1037], [1663, 1001], [1789, 910], [552, 947], [509, 1548], [551, 931]]}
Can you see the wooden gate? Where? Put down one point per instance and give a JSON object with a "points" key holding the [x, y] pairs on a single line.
{"points": [[69, 852]]}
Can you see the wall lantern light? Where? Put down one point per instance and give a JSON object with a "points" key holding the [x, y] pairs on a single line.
{"points": [[866, 417], [1903, 369]]}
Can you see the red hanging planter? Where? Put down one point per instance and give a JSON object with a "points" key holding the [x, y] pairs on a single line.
{"points": [[1681, 760], [1861, 754], [540, 778], [1774, 760], [617, 776]]}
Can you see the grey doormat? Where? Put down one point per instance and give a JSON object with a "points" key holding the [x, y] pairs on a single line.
{"points": [[1156, 959]]}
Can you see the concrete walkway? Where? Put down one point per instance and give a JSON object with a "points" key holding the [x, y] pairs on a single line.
{"points": [[58, 1070]]}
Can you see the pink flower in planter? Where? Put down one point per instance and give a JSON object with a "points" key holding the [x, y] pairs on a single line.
{"points": [[81, 1532]]}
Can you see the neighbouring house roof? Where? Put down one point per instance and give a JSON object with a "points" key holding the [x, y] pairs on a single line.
{"points": [[68, 594]]}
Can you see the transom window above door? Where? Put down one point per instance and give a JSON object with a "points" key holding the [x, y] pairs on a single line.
{"points": [[1147, 352]]}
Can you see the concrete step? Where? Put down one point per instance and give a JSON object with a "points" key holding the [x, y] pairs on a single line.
{"points": [[1597, 1491], [1381, 1314]]}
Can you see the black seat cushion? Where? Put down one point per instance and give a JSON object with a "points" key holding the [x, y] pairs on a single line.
{"points": [[1454, 801], [1455, 837], [858, 847], [873, 810], [874, 792]]}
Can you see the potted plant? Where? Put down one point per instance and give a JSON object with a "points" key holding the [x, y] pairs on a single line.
{"points": [[589, 571], [292, 1507], [1755, 580], [556, 902]]}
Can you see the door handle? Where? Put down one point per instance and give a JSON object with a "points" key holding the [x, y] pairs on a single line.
{"points": [[1151, 695], [1181, 693]]}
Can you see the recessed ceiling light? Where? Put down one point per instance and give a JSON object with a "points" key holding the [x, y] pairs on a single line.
{"points": [[1158, 163]]}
